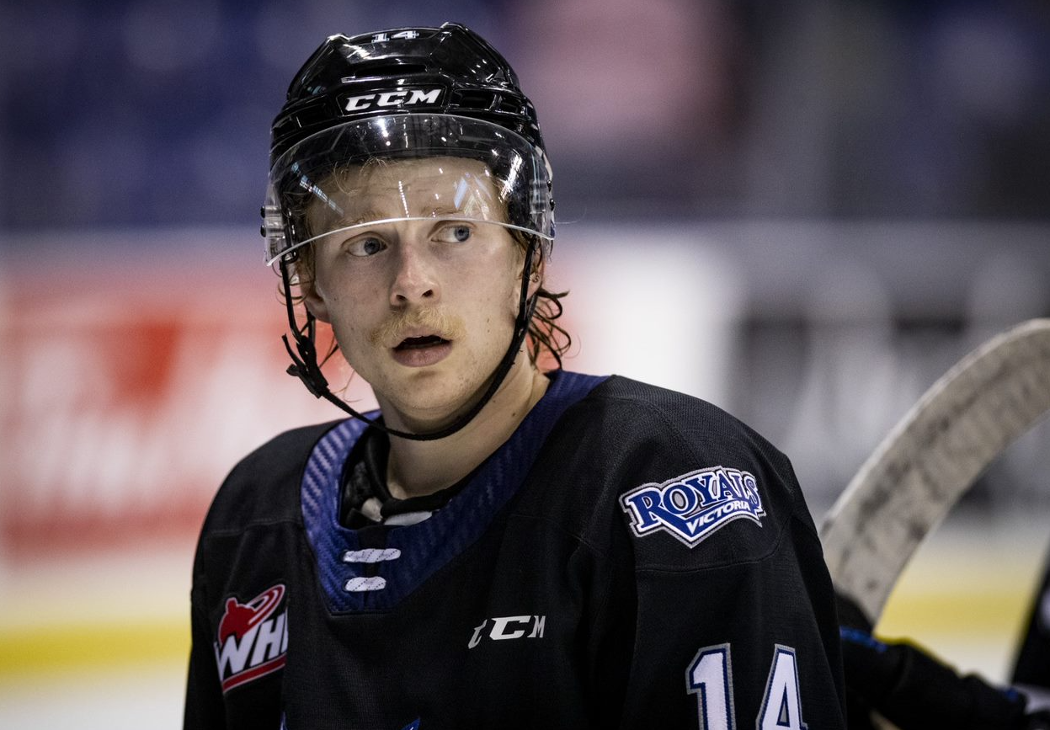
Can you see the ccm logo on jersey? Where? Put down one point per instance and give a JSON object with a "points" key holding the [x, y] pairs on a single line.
{"points": [[508, 627], [692, 506], [253, 638], [392, 99]]}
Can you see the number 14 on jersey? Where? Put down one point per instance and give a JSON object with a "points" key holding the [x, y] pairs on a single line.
{"points": [[710, 677]]}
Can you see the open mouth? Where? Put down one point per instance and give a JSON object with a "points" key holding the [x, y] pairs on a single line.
{"points": [[415, 343]]}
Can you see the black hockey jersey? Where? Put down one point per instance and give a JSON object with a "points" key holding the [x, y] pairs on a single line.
{"points": [[630, 558]]}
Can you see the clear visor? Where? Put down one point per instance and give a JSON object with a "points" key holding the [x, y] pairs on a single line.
{"points": [[403, 168]]}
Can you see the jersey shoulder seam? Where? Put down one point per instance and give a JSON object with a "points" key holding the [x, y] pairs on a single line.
{"points": [[768, 555], [561, 530], [234, 531]]}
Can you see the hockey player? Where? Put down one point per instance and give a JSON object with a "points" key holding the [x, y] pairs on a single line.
{"points": [[498, 547]]}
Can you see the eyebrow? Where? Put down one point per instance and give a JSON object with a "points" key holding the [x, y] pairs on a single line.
{"points": [[432, 211], [441, 210], [346, 221]]}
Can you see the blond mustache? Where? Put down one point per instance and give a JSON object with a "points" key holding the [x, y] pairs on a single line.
{"points": [[394, 330]]}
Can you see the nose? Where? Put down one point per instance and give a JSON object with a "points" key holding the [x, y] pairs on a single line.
{"points": [[415, 280]]}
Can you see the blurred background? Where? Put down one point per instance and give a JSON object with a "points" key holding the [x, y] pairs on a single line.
{"points": [[804, 212]]}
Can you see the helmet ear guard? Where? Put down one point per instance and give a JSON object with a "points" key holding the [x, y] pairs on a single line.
{"points": [[272, 229]]}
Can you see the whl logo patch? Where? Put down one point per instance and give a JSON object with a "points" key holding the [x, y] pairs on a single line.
{"points": [[692, 506], [253, 638]]}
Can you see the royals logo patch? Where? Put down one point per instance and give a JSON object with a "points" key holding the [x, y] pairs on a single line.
{"points": [[253, 638], [692, 506]]}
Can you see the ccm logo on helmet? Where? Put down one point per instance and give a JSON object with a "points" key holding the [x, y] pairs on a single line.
{"points": [[389, 99]]}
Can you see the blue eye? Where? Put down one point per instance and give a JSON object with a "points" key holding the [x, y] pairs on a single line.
{"points": [[366, 246], [455, 233]]}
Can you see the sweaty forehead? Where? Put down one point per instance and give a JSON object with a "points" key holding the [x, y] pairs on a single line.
{"points": [[383, 189]]}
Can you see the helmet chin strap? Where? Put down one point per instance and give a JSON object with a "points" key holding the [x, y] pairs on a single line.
{"points": [[305, 367]]}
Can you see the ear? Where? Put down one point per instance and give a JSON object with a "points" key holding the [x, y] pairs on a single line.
{"points": [[539, 270], [315, 303]]}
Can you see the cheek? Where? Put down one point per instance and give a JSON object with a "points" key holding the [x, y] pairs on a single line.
{"points": [[501, 292], [514, 288], [510, 267], [348, 305]]}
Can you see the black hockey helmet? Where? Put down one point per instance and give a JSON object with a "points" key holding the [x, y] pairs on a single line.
{"points": [[405, 93]]}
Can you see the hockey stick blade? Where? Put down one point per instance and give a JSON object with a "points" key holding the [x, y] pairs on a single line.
{"points": [[931, 457]]}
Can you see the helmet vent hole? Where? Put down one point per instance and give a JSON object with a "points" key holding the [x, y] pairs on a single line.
{"points": [[507, 104], [386, 68], [476, 100]]}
